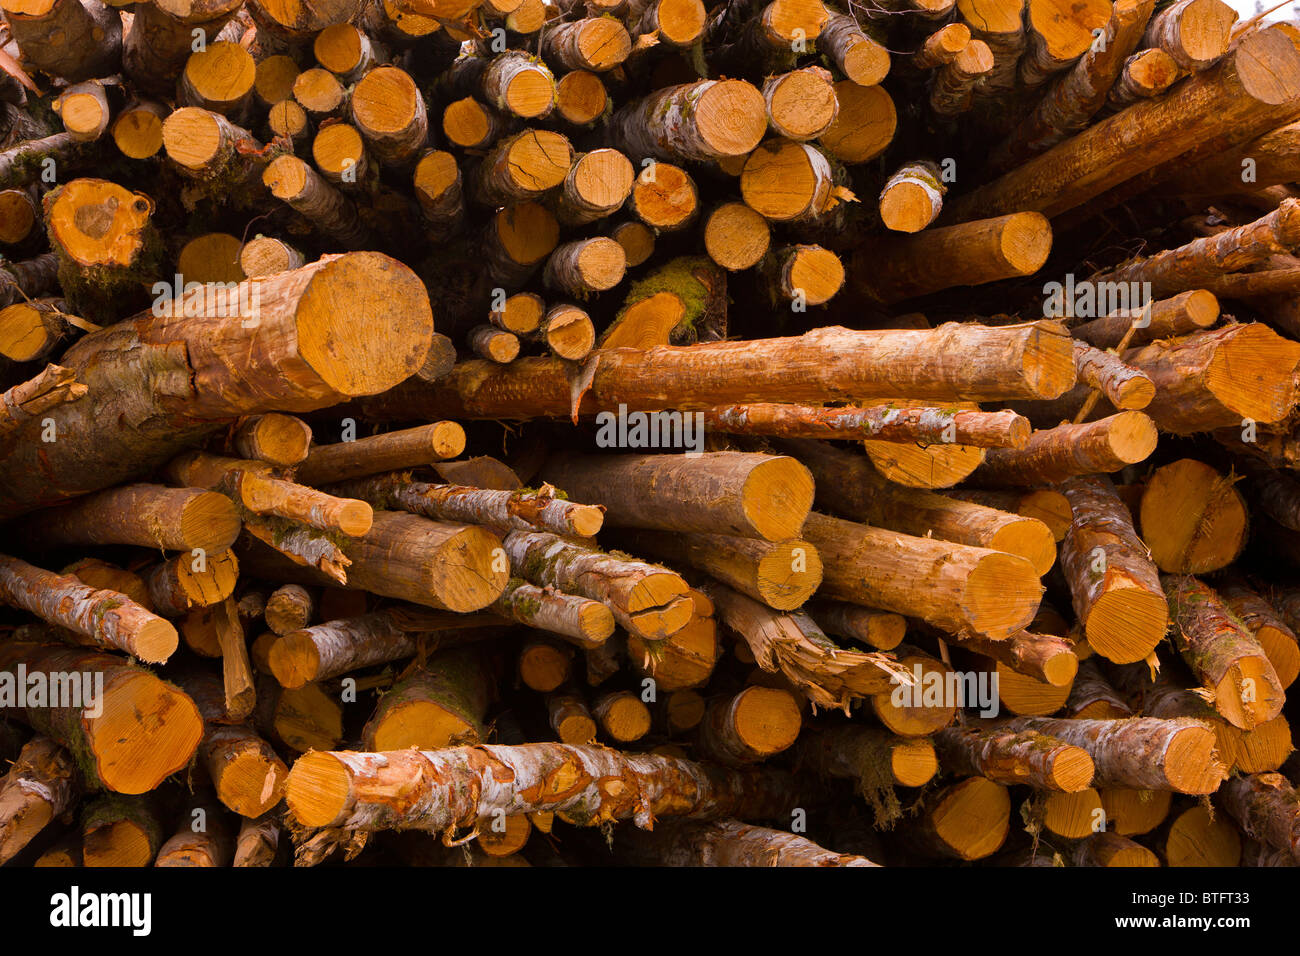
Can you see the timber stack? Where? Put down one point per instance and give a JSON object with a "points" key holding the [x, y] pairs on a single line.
{"points": [[763, 433]]}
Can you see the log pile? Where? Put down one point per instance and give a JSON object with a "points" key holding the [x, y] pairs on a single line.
{"points": [[772, 433]]}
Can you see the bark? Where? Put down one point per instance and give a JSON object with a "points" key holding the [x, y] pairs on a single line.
{"points": [[1146, 74], [1140, 753], [953, 586], [1014, 757], [1124, 386], [258, 842], [40, 785], [1115, 586], [212, 845], [127, 739], [160, 40], [462, 786], [1223, 654], [28, 279], [158, 384], [301, 546]]}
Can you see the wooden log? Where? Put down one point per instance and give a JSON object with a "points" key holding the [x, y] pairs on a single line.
{"points": [[952, 91], [1140, 752], [1041, 657], [710, 119], [298, 185], [127, 734], [1116, 590], [440, 705], [861, 59], [204, 837], [585, 266], [871, 757], [1123, 386], [517, 240], [882, 630], [1193, 32], [1014, 757], [596, 186], [887, 422], [191, 580], [289, 608], [598, 44], [1252, 90], [1032, 361], [1055, 454], [120, 831], [29, 278], [941, 46], [258, 842], [786, 181], [1205, 530], [1058, 34], [732, 493], [40, 785], [580, 96], [731, 843], [568, 332], [1275, 637], [781, 574], [913, 196], [247, 776], [966, 821], [953, 586], [1092, 697], [27, 401], [801, 104], [274, 438], [974, 253], [570, 719], [1267, 808], [297, 313], [864, 126], [735, 236], [341, 789], [1223, 654], [66, 38], [852, 487], [503, 511], [749, 726], [219, 78], [1107, 849], [523, 167], [684, 660], [1146, 73], [340, 154], [1182, 314], [664, 197], [622, 715], [1199, 837], [390, 451]]}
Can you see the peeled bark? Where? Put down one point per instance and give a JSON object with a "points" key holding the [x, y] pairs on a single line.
{"points": [[32, 399]]}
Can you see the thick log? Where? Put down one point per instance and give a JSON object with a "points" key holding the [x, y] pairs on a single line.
{"points": [[160, 383], [460, 786], [1193, 519], [127, 733], [1032, 361], [440, 705], [731, 493], [1055, 454], [1014, 757], [1182, 314], [953, 586]]}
